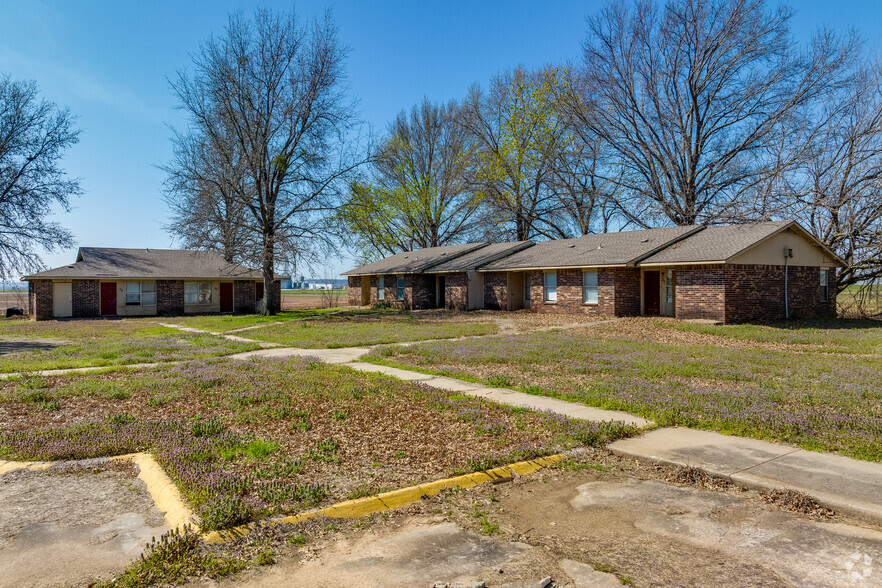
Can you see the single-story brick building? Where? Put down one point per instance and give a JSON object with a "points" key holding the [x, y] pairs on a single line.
{"points": [[732, 273], [145, 282]]}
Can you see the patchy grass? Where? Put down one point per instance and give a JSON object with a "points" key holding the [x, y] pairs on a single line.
{"points": [[228, 322], [352, 330], [830, 336], [89, 343], [817, 401], [229, 437]]}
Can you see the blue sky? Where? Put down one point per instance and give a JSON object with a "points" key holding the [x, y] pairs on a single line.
{"points": [[109, 63]]}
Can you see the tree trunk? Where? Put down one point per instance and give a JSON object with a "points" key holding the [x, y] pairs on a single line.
{"points": [[270, 304]]}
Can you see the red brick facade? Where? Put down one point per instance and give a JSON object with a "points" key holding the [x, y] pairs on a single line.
{"points": [[354, 290], [244, 296], [756, 293], [699, 292], [496, 291], [86, 298], [618, 292], [456, 291], [169, 297], [40, 300]]}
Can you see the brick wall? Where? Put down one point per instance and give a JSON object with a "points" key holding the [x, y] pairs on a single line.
{"points": [[626, 284], [495, 291], [244, 292], [40, 300], [756, 293], [169, 297], [419, 290], [700, 292], [569, 293], [456, 291], [86, 297], [354, 290]]}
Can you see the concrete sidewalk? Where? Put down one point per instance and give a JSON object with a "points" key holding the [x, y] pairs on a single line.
{"points": [[849, 486]]}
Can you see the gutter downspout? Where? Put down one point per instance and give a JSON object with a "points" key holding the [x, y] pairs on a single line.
{"points": [[786, 306]]}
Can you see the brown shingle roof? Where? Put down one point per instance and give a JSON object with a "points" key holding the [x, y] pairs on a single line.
{"points": [[603, 249], [480, 257], [412, 262], [152, 264], [717, 243]]}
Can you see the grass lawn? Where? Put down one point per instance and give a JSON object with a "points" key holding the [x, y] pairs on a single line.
{"points": [[247, 439], [351, 330], [82, 343], [814, 400], [221, 323], [831, 336]]}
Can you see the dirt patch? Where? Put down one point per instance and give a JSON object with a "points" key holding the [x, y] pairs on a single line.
{"points": [[11, 347], [73, 523]]}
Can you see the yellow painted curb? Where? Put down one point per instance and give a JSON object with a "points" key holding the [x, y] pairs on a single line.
{"points": [[35, 466], [164, 492], [394, 499]]}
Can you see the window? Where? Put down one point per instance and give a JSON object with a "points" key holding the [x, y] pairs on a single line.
{"points": [[381, 289], [550, 286], [400, 287], [589, 287], [669, 286], [825, 292], [526, 286], [197, 292], [140, 293]]}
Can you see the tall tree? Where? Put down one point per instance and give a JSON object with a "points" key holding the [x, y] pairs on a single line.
{"points": [[417, 196], [518, 132], [277, 88], [836, 188], [34, 134], [690, 94], [205, 190]]}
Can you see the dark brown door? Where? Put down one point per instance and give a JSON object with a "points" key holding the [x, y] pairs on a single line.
{"points": [[258, 291], [226, 297], [108, 298], [651, 294]]}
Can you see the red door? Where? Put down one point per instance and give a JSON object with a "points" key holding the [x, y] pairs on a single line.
{"points": [[226, 297], [651, 294], [108, 298]]}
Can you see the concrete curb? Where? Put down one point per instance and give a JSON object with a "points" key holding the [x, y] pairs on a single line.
{"points": [[393, 499]]}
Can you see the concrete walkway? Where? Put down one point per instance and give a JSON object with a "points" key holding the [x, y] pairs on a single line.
{"points": [[848, 486]]}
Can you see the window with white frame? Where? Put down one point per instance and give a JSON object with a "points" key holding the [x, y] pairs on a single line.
{"points": [[400, 288], [669, 286], [197, 292], [824, 291], [589, 287], [550, 286], [381, 289], [140, 293]]}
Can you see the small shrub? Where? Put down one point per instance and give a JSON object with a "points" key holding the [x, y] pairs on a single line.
{"points": [[338, 415], [120, 419], [258, 449], [266, 557], [210, 427], [49, 405], [400, 455], [224, 511], [35, 396], [297, 539], [498, 381]]}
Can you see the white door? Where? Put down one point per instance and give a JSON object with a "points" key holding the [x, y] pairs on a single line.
{"points": [[62, 300]]}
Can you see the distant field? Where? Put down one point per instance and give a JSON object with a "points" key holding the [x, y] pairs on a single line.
{"points": [[856, 301], [294, 299]]}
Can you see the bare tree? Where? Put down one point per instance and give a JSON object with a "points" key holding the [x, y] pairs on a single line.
{"points": [[276, 87], [206, 190], [518, 132], [34, 134], [417, 196], [836, 190], [690, 94]]}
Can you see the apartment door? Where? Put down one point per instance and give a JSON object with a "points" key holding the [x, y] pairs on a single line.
{"points": [[515, 290], [365, 290], [226, 297], [62, 300], [651, 293], [440, 289], [108, 298]]}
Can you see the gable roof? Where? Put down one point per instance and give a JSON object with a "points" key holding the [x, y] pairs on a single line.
{"points": [[480, 257], [721, 243], [603, 249], [413, 262], [152, 264]]}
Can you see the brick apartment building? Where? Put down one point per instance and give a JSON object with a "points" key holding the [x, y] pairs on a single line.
{"points": [[735, 273], [145, 282]]}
